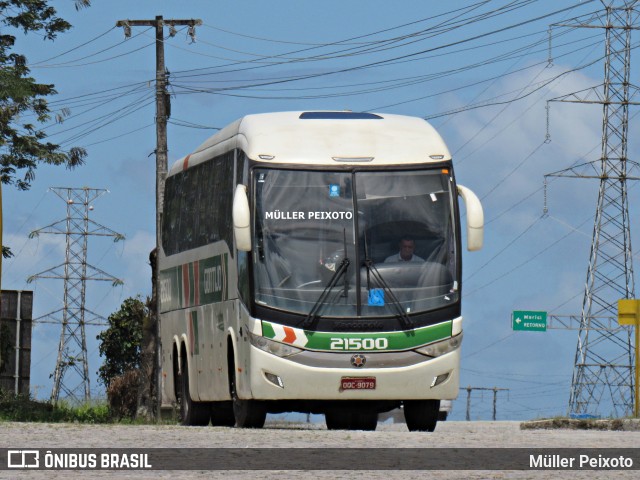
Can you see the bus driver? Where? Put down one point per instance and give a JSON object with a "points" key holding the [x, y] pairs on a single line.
{"points": [[407, 246]]}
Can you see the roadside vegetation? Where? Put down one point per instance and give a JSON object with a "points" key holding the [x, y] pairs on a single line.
{"points": [[121, 347], [616, 424], [22, 408], [120, 373]]}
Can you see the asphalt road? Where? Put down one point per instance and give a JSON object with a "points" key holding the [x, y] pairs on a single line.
{"points": [[282, 435]]}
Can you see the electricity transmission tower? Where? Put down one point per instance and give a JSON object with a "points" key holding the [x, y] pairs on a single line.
{"points": [[603, 368], [71, 375]]}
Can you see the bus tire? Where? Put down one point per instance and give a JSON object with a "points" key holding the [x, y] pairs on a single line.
{"points": [[421, 415], [191, 413], [337, 420], [222, 414], [247, 413], [364, 421]]}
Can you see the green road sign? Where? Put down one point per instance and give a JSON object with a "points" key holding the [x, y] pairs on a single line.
{"points": [[524, 320]]}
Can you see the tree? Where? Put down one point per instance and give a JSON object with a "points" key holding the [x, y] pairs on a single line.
{"points": [[22, 145], [120, 344]]}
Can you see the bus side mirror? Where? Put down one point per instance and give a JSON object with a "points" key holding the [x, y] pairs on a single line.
{"points": [[242, 219], [475, 219]]}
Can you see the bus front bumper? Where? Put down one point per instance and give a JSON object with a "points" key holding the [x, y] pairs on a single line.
{"points": [[416, 378]]}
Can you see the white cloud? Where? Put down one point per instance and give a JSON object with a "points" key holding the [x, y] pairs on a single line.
{"points": [[524, 267], [137, 273], [31, 256]]}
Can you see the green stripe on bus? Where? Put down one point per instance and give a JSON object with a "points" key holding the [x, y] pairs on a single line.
{"points": [[195, 348], [404, 340], [267, 330]]}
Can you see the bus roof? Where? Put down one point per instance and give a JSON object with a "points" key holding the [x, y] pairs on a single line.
{"points": [[326, 138]]}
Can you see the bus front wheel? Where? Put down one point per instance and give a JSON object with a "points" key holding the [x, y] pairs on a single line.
{"points": [[421, 415], [247, 413]]}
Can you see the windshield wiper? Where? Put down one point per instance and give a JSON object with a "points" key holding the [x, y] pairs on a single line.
{"points": [[402, 316], [312, 318]]}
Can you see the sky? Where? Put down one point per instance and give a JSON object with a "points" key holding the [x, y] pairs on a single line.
{"points": [[481, 72]]}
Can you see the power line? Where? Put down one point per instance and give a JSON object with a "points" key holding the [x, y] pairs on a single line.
{"points": [[324, 45], [188, 124], [181, 74], [522, 264], [495, 102], [345, 42], [384, 85], [116, 137], [84, 44], [401, 82], [73, 63]]}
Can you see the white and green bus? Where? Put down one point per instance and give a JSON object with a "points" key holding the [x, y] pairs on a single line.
{"points": [[311, 262]]}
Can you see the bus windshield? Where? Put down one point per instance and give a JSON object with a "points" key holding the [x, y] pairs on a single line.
{"points": [[354, 244]]}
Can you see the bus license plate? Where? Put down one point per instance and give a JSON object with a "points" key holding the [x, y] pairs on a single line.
{"points": [[358, 383]]}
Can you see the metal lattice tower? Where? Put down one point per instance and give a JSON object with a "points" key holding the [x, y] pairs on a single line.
{"points": [[603, 370], [71, 375]]}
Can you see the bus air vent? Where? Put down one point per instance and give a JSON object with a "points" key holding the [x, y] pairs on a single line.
{"points": [[353, 159], [339, 116]]}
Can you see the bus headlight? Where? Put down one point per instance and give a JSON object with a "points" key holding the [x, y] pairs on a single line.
{"points": [[440, 348], [270, 346]]}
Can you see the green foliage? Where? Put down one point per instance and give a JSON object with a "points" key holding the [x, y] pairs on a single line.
{"points": [[23, 408], [22, 144], [86, 413], [120, 344]]}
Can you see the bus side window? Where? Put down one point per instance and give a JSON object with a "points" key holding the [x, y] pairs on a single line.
{"points": [[205, 203], [171, 215]]}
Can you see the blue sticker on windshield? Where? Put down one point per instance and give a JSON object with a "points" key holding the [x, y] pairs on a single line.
{"points": [[334, 190], [376, 297]]}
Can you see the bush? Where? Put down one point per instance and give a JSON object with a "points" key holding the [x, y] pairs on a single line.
{"points": [[98, 413], [122, 394], [22, 408], [120, 344]]}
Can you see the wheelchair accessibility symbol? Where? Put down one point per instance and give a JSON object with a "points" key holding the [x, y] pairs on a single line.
{"points": [[376, 297]]}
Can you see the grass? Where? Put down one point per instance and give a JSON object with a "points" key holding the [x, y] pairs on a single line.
{"points": [[22, 408], [615, 424]]}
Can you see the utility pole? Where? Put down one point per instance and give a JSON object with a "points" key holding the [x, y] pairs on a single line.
{"points": [[495, 391], [163, 111], [75, 271], [603, 364]]}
